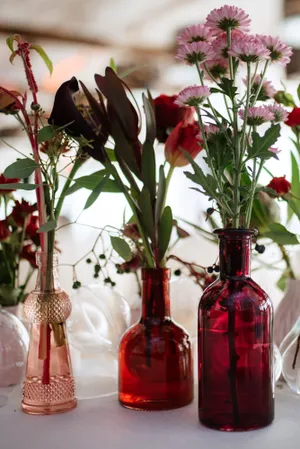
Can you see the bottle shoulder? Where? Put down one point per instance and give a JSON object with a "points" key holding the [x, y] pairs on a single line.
{"points": [[165, 330]]}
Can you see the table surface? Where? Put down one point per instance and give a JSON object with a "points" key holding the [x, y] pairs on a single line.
{"points": [[103, 423]]}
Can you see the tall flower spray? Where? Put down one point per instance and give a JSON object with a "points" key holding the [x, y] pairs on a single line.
{"points": [[236, 148]]}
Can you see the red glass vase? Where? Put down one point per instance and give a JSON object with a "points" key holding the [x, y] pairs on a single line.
{"points": [[155, 357], [235, 343]]}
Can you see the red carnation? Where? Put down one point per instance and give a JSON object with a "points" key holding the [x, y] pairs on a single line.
{"points": [[168, 115], [280, 185], [21, 211], [183, 137], [4, 180], [32, 226], [294, 118], [4, 231], [29, 254]]}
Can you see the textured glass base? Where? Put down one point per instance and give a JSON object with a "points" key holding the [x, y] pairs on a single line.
{"points": [[49, 409]]}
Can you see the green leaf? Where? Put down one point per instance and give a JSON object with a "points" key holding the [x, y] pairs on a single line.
{"points": [[295, 206], [18, 186], [74, 188], [113, 65], [122, 248], [228, 88], [282, 282], [149, 168], [280, 235], [207, 182], [91, 181], [44, 57], [49, 226], [261, 144], [150, 120], [46, 133], [144, 203], [10, 43], [95, 193], [111, 154], [295, 176], [284, 98], [22, 168], [165, 231], [298, 92], [161, 192]]}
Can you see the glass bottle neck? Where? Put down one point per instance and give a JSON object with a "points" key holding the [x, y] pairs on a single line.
{"points": [[155, 294], [235, 253], [47, 277]]}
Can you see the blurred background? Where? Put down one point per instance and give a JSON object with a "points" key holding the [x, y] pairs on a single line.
{"points": [[80, 37]]}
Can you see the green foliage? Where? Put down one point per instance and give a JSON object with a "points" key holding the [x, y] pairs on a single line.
{"points": [[161, 192], [18, 186], [10, 43], [280, 235], [44, 57], [228, 88], [144, 203], [150, 120], [121, 247], [282, 282], [164, 231], [46, 133], [49, 226], [96, 192], [22, 168], [149, 168], [261, 144], [207, 182]]}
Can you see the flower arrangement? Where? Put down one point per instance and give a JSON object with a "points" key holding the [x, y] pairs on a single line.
{"points": [[130, 167], [18, 241], [236, 151]]}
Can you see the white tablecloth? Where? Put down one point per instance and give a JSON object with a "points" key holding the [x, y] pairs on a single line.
{"points": [[103, 424]]}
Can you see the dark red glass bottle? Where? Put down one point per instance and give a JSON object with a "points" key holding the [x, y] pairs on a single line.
{"points": [[235, 343], [155, 359]]}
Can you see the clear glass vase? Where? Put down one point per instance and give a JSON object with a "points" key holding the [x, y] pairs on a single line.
{"points": [[290, 350], [235, 343], [49, 384]]}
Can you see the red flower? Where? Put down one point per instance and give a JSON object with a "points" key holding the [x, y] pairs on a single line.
{"points": [[32, 226], [183, 137], [131, 231], [294, 118], [4, 180], [280, 185], [132, 266], [28, 253], [4, 231], [21, 211], [168, 115]]}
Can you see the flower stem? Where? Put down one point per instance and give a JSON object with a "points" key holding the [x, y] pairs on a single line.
{"points": [[286, 258], [77, 164]]}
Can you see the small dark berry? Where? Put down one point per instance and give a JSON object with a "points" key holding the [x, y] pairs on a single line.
{"points": [[102, 256], [210, 270], [113, 284], [35, 106], [96, 275], [107, 280], [177, 272], [210, 211], [217, 268], [97, 268], [260, 248], [88, 260], [76, 285]]}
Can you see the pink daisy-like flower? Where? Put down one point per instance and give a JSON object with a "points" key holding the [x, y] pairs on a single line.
{"points": [[228, 17], [279, 51], [195, 52], [280, 113], [257, 115], [192, 96], [267, 89], [220, 45], [249, 49], [210, 131], [216, 67], [195, 33]]}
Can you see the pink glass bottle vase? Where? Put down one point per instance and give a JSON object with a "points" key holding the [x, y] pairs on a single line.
{"points": [[49, 384]]}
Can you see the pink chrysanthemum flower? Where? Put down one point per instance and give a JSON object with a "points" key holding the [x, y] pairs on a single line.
{"points": [[193, 53], [274, 150], [216, 67], [195, 33], [267, 89], [279, 51], [228, 17], [257, 115], [249, 49], [280, 114], [192, 96], [210, 131], [220, 45]]}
